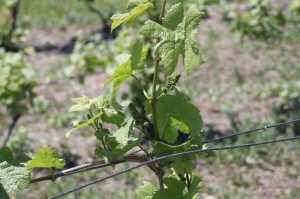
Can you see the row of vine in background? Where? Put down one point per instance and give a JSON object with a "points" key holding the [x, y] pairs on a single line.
{"points": [[260, 19]]}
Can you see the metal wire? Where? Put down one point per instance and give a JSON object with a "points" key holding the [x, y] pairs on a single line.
{"points": [[62, 174], [252, 131], [172, 156]]}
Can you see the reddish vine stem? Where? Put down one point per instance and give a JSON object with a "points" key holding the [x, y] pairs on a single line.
{"points": [[95, 165]]}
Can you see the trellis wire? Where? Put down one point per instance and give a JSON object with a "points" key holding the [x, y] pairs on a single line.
{"points": [[252, 131], [172, 156], [63, 173]]}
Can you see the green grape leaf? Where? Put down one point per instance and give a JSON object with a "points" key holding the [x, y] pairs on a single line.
{"points": [[100, 102], [119, 142], [193, 189], [46, 158], [134, 3], [105, 155], [83, 103], [112, 116], [146, 191], [169, 51], [154, 30], [174, 190], [12, 179], [3, 193], [85, 124], [177, 37], [25, 158], [136, 53], [115, 104], [124, 136], [122, 73], [133, 65], [6, 155], [181, 164], [102, 133], [192, 57], [139, 67], [173, 111], [174, 16], [118, 19], [182, 126]]}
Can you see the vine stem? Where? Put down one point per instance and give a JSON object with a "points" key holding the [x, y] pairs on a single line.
{"points": [[160, 174], [153, 97], [160, 179], [10, 130], [153, 102], [91, 166]]}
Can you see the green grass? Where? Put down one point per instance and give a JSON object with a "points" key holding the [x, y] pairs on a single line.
{"points": [[63, 13]]}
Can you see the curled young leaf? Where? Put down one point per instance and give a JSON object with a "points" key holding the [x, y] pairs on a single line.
{"points": [[82, 125], [82, 103]]}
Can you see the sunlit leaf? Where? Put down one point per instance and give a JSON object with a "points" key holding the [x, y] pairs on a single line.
{"points": [[82, 103], [88, 123], [46, 158], [133, 65], [118, 19], [146, 191]]}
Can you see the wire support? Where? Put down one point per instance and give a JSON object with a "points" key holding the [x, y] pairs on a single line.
{"points": [[173, 156], [252, 131], [99, 165]]}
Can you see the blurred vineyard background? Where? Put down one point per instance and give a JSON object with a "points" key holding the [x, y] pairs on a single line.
{"points": [[52, 51]]}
